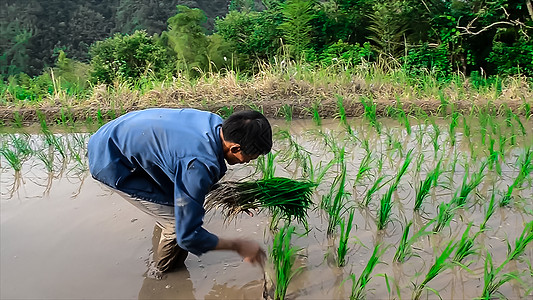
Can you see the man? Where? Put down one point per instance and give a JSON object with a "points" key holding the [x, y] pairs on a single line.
{"points": [[167, 160]]}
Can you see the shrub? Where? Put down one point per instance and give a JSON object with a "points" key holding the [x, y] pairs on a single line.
{"points": [[128, 57]]}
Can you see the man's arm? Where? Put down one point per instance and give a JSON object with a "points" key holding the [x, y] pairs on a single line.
{"points": [[192, 184]]}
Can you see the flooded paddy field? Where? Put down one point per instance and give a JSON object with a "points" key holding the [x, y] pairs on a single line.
{"points": [[465, 234]]}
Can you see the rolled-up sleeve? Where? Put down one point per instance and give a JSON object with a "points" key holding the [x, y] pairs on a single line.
{"points": [[193, 181]]}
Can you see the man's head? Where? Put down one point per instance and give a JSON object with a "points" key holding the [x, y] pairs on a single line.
{"points": [[246, 135]]}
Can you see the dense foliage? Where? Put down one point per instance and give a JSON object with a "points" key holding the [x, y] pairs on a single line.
{"points": [[438, 37]]}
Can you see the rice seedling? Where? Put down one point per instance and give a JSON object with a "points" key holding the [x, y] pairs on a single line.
{"points": [[492, 280], [364, 168], [265, 165], [284, 198], [333, 202], [403, 252], [346, 228], [438, 267], [47, 159], [56, 143], [373, 189], [342, 114], [453, 124], [371, 113], [519, 122], [283, 256], [359, 286], [491, 208], [385, 207], [526, 168], [21, 145], [466, 127], [12, 157], [419, 162], [521, 242], [316, 116], [468, 187], [422, 190], [435, 138], [445, 214], [465, 246], [316, 174]]}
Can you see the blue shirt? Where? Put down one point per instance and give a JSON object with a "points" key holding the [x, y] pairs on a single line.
{"points": [[167, 156]]}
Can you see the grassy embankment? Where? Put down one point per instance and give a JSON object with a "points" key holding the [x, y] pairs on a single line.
{"points": [[279, 90]]}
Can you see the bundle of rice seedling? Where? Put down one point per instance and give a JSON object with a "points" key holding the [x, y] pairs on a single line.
{"points": [[285, 198]]}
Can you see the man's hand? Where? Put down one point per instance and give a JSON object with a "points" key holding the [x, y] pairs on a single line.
{"points": [[249, 250]]}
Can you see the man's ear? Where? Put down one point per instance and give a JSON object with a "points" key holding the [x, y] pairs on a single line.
{"points": [[235, 148]]}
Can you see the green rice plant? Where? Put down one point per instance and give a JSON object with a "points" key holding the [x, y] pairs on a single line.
{"points": [[466, 127], [441, 263], [364, 168], [373, 189], [422, 190], [385, 208], [519, 122], [435, 138], [316, 116], [284, 198], [491, 208], [12, 157], [468, 187], [316, 174], [419, 162], [359, 286], [265, 164], [446, 211], [57, 143], [385, 205], [371, 113], [525, 169], [493, 155], [453, 124], [492, 280], [464, 247], [21, 145], [342, 114], [334, 202], [283, 256], [403, 252], [521, 242], [342, 250], [47, 158], [508, 196]]}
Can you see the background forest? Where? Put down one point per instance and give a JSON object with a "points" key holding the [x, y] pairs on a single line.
{"points": [[93, 41]]}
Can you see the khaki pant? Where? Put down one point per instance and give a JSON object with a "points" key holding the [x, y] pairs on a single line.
{"points": [[168, 255]]}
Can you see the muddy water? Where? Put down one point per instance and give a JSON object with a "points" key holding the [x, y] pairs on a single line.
{"points": [[66, 236]]}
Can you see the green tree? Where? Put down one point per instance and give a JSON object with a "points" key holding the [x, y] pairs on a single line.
{"points": [[297, 27], [128, 57]]}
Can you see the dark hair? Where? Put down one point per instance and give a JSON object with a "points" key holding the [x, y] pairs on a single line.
{"points": [[251, 130]]}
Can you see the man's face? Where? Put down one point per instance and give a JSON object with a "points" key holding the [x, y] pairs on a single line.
{"points": [[236, 156]]}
